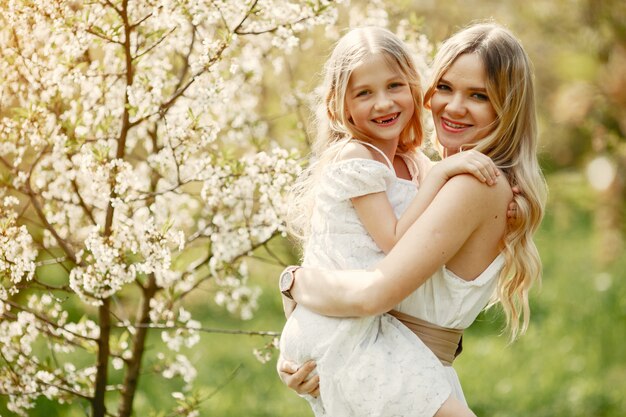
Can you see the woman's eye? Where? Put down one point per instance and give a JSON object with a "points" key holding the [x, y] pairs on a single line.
{"points": [[443, 87], [480, 96]]}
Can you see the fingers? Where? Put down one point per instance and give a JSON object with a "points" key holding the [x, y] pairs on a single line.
{"points": [[286, 367], [488, 168], [483, 167], [511, 211], [311, 386], [298, 378]]}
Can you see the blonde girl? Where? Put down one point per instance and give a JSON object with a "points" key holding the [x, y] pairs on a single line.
{"points": [[356, 201], [460, 254]]}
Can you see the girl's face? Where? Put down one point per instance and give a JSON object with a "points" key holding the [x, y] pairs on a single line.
{"points": [[461, 109], [379, 100]]}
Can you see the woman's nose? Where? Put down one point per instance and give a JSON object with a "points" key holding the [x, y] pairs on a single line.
{"points": [[456, 105]]}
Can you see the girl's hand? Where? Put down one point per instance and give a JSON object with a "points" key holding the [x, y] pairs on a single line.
{"points": [[511, 212], [299, 379], [470, 162]]}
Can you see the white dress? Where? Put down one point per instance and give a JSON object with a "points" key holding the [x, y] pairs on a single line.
{"points": [[369, 366], [449, 301]]}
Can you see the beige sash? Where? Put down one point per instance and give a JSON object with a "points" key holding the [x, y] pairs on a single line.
{"points": [[445, 343]]}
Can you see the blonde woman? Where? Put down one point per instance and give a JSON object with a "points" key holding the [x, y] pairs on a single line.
{"points": [[460, 254]]}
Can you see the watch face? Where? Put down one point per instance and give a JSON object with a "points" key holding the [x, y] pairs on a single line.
{"points": [[286, 279]]}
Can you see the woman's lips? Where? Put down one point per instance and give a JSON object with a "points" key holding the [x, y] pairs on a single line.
{"points": [[452, 126]]}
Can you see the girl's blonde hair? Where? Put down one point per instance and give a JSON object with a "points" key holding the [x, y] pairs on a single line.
{"points": [[332, 122], [512, 145]]}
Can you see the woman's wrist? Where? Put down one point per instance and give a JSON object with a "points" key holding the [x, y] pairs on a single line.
{"points": [[287, 279]]}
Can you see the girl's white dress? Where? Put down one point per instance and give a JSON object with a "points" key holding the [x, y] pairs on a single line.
{"points": [[369, 366]]}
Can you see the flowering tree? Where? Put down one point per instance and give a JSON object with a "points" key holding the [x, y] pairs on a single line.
{"points": [[133, 160]]}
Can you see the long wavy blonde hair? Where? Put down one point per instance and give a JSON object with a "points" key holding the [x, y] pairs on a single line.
{"points": [[332, 123], [512, 145]]}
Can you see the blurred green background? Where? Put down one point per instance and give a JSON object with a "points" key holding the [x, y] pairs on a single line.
{"points": [[571, 362]]}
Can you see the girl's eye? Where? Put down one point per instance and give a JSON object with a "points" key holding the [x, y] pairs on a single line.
{"points": [[362, 93], [396, 85]]}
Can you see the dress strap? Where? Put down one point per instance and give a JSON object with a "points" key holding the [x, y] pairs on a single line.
{"points": [[389, 164], [445, 343], [411, 165]]}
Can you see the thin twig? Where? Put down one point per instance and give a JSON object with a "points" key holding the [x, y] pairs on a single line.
{"points": [[157, 326]]}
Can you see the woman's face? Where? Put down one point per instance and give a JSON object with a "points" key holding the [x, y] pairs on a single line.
{"points": [[462, 111]]}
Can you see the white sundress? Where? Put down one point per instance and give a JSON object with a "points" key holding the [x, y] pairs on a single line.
{"points": [[450, 301], [369, 366]]}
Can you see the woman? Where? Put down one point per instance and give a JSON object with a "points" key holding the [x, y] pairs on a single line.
{"points": [[460, 253]]}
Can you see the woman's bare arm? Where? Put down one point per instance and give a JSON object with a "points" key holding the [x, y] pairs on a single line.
{"points": [[461, 207], [377, 215]]}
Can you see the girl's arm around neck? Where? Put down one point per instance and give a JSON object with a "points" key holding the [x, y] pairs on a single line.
{"points": [[379, 219], [376, 213], [463, 210]]}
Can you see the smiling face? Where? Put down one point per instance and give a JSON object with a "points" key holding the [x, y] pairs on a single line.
{"points": [[461, 109], [379, 101]]}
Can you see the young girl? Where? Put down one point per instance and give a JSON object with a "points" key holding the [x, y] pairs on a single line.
{"points": [[358, 199]]}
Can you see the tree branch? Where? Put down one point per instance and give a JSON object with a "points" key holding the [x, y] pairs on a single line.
{"points": [[131, 378], [104, 317], [82, 203], [154, 45], [42, 216], [158, 326]]}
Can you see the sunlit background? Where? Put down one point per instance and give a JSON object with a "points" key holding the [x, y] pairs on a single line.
{"points": [[571, 362]]}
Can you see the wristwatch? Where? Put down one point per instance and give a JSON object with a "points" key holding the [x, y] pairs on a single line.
{"points": [[286, 280]]}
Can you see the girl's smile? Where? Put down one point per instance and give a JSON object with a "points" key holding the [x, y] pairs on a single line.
{"points": [[387, 120]]}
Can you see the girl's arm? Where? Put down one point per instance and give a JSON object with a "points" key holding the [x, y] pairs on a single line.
{"points": [[461, 207], [377, 215]]}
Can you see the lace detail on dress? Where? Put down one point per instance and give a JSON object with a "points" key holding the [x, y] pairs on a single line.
{"points": [[355, 177]]}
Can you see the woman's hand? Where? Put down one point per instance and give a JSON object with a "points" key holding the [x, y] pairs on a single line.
{"points": [[299, 379], [470, 162], [288, 306]]}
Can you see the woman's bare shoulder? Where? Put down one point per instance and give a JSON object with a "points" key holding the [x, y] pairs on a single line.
{"points": [[470, 192]]}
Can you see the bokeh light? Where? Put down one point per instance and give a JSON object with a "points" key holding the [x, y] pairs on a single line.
{"points": [[601, 173]]}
